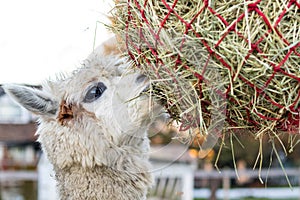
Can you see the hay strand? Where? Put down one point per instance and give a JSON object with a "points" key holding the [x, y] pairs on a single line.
{"points": [[223, 64]]}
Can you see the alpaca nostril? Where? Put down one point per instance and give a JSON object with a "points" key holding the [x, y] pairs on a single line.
{"points": [[141, 78]]}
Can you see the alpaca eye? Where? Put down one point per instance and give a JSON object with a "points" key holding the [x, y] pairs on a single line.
{"points": [[94, 93]]}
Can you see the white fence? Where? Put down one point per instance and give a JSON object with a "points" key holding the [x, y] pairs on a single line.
{"points": [[176, 183], [227, 193], [173, 182]]}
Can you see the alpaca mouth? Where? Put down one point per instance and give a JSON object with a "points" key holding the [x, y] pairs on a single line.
{"points": [[154, 91]]}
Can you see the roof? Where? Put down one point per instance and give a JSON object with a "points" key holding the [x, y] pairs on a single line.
{"points": [[18, 133]]}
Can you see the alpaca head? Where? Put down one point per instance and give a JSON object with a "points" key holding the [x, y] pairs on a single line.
{"points": [[91, 113]]}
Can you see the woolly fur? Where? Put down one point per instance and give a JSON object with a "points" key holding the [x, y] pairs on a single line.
{"points": [[101, 150]]}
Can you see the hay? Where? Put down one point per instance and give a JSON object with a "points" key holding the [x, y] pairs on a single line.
{"points": [[214, 63]]}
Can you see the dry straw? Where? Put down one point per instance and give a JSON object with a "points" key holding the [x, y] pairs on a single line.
{"points": [[217, 62]]}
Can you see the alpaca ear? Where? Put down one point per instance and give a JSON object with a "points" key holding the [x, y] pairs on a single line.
{"points": [[34, 100]]}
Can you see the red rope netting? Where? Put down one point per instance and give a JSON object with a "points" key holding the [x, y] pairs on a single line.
{"points": [[289, 121]]}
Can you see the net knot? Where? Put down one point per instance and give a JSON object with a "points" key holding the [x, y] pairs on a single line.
{"points": [[206, 3], [252, 6]]}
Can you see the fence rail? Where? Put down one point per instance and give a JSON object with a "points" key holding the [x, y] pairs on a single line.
{"points": [[276, 172], [227, 175], [18, 176]]}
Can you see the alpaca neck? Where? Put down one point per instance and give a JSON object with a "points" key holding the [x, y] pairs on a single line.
{"points": [[123, 174], [101, 182]]}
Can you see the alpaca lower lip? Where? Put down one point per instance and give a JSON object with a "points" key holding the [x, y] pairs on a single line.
{"points": [[146, 89]]}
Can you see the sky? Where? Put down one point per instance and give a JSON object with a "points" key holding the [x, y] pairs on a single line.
{"points": [[42, 38]]}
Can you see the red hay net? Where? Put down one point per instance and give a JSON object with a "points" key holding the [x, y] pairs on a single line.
{"points": [[291, 122]]}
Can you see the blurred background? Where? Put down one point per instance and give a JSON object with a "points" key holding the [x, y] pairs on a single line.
{"points": [[40, 39], [182, 170]]}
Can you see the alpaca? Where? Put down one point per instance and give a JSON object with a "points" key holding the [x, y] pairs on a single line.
{"points": [[93, 127]]}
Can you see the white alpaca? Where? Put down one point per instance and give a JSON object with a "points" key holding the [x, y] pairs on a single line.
{"points": [[93, 128]]}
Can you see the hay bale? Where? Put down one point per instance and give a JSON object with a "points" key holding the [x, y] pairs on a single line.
{"points": [[215, 61]]}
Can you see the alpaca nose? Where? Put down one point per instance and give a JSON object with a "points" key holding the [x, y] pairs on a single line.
{"points": [[140, 78]]}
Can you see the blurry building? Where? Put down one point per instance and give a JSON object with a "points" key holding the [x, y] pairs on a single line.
{"points": [[18, 146]]}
